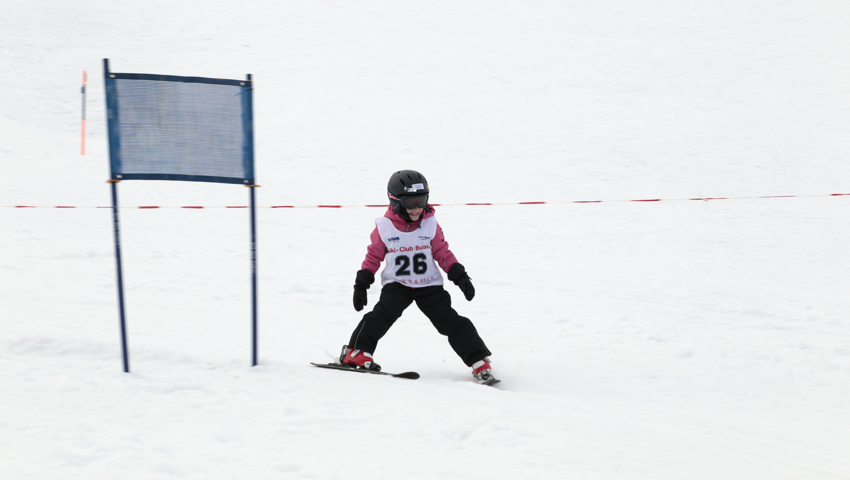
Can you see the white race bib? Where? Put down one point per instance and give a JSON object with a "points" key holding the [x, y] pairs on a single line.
{"points": [[409, 259]]}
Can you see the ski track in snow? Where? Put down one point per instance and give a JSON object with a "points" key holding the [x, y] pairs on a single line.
{"points": [[673, 340]]}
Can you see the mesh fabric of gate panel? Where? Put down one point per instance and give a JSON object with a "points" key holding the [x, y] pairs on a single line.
{"points": [[180, 128]]}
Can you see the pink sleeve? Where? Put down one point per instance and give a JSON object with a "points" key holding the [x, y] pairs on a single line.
{"points": [[375, 253], [440, 249]]}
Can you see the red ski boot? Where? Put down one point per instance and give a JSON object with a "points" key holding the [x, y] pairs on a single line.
{"points": [[358, 359], [483, 373]]}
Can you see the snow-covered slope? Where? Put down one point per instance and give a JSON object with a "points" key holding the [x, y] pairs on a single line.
{"points": [[661, 340]]}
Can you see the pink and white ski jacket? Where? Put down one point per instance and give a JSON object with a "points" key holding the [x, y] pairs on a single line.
{"points": [[377, 251]]}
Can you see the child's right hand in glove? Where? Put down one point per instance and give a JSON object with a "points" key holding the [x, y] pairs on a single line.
{"points": [[365, 278]]}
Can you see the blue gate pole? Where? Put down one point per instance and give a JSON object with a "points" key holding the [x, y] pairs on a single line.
{"points": [[254, 275], [120, 275]]}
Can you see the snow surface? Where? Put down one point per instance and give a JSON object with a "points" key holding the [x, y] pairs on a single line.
{"points": [[671, 340]]}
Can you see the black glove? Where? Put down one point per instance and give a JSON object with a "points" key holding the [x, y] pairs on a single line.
{"points": [[458, 275], [365, 278]]}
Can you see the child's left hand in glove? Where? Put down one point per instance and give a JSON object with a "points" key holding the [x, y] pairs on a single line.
{"points": [[457, 274]]}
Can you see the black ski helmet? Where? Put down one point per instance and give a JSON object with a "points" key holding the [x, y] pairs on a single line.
{"points": [[407, 189]]}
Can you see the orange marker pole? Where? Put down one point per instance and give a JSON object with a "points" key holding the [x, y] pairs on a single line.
{"points": [[83, 130]]}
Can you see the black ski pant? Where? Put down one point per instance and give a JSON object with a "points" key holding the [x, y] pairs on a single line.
{"points": [[436, 303]]}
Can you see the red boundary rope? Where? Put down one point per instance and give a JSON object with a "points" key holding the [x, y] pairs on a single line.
{"points": [[144, 207]]}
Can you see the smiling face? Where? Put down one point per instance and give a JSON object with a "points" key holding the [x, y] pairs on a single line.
{"points": [[414, 213]]}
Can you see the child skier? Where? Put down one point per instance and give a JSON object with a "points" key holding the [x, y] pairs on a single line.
{"points": [[410, 239]]}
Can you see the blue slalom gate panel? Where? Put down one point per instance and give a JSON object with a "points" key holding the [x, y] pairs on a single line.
{"points": [[164, 127], [195, 129]]}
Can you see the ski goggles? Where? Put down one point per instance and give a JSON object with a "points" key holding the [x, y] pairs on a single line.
{"points": [[412, 202]]}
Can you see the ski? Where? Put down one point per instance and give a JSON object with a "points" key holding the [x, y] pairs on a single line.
{"points": [[490, 381], [340, 366]]}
